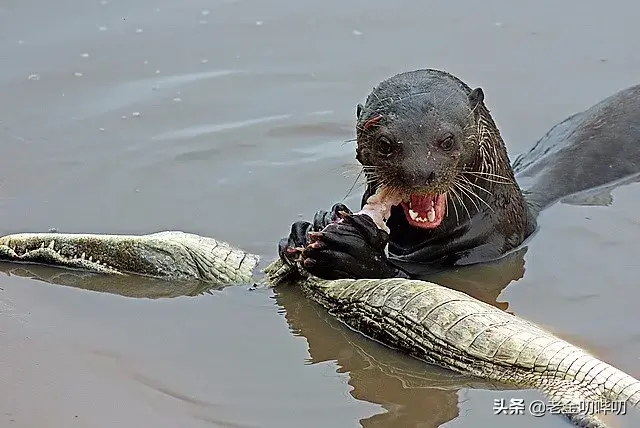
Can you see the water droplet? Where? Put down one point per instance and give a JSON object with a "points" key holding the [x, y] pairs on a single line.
{"points": [[34, 77], [157, 71], [21, 42], [101, 129], [357, 33], [136, 114], [177, 99], [205, 12], [258, 23], [84, 55], [78, 74], [146, 62], [139, 30], [499, 24], [204, 61], [123, 117], [102, 28]]}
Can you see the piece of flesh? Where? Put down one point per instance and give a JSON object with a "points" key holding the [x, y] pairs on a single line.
{"points": [[378, 206]]}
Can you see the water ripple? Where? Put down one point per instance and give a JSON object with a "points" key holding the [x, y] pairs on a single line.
{"points": [[196, 131], [123, 95]]}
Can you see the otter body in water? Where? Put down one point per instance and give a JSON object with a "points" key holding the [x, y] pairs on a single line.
{"points": [[430, 137]]}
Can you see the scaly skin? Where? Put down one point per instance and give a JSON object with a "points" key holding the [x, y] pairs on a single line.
{"points": [[430, 322], [453, 330], [172, 255]]}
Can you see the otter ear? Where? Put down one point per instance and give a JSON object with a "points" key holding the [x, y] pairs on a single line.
{"points": [[359, 110], [476, 97]]}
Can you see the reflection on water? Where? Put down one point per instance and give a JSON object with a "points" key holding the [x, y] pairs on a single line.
{"points": [[127, 286], [412, 392], [600, 196], [404, 388], [485, 281]]}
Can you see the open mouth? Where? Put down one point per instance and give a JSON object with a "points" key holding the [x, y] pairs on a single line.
{"points": [[425, 211]]}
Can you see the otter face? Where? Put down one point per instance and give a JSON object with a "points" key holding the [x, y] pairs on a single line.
{"points": [[418, 142]]}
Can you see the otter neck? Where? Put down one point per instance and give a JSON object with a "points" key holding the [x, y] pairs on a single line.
{"points": [[490, 170]]}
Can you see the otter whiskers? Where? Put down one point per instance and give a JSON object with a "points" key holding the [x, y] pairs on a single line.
{"points": [[453, 191], [495, 178]]}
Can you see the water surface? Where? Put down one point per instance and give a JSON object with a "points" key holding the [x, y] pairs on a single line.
{"points": [[228, 119]]}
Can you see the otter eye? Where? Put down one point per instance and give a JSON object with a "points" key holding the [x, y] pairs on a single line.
{"points": [[384, 146], [447, 143]]}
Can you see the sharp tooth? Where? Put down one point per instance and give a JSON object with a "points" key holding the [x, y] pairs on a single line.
{"points": [[413, 214], [83, 256], [52, 244], [431, 215], [90, 258], [42, 245]]}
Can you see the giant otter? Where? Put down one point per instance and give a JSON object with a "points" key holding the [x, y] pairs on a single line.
{"points": [[429, 136]]}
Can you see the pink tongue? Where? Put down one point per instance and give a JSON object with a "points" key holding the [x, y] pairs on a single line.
{"points": [[421, 204]]}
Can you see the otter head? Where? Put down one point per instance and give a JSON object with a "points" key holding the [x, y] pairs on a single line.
{"points": [[415, 134]]}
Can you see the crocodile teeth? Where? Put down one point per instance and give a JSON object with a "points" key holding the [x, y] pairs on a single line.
{"points": [[83, 256], [431, 214], [42, 245], [90, 258], [52, 245]]}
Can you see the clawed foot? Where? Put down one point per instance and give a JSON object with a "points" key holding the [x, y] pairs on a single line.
{"points": [[290, 249], [349, 246]]}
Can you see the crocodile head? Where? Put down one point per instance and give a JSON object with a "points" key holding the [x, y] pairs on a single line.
{"points": [[171, 255]]}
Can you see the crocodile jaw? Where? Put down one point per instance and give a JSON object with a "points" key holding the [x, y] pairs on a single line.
{"points": [[13, 248], [171, 255]]}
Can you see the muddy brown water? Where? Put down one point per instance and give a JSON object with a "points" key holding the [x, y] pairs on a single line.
{"points": [[227, 119]]}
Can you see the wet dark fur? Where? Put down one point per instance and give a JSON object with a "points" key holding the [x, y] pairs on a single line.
{"points": [[486, 212], [489, 215]]}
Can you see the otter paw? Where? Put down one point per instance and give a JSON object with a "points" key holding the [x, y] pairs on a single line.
{"points": [[351, 248], [290, 248], [323, 218]]}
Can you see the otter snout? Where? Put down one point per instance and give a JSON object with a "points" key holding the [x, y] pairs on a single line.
{"points": [[413, 178], [421, 172]]}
